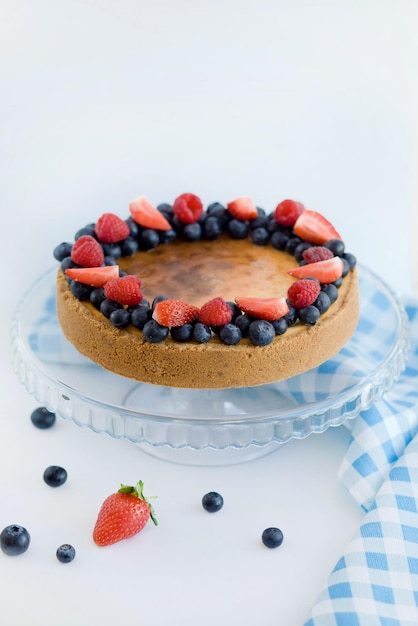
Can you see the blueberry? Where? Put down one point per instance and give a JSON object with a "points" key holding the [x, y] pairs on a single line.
{"points": [[216, 208], [261, 332], [279, 240], [108, 306], [112, 249], [42, 418], [237, 229], [121, 318], [212, 502], [299, 250], [65, 553], [331, 291], [86, 230], [212, 228], [165, 207], [201, 332], [259, 222], [292, 316], [337, 283], [62, 251], [182, 333], [140, 315], [55, 476], [133, 227], [322, 303], [153, 332], [292, 244], [129, 246], [14, 540], [230, 334], [66, 263], [97, 296], [336, 246], [260, 236], [236, 311], [148, 239], [192, 232], [167, 236], [80, 291], [351, 259], [243, 322], [272, 537], [280, 326], [309, 315]]}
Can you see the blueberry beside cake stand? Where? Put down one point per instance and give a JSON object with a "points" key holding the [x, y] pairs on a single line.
{"points": [[205, 426]]}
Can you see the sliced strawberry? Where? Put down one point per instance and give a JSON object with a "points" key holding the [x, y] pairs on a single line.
{"points": [[188, 208], [110, 228], [93, 276], [243, 208], [264, 308], [147, 215], [172, 313], [124, 290], [215, 312], [303, 293], [287, 212], [314, 227], [325, 271], [87, 252]]}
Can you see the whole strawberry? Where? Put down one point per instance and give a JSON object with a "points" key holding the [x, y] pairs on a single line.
{"points": [[122, 515]]}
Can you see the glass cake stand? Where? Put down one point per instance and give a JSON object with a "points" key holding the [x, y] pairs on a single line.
{"points": [[204, 426]]}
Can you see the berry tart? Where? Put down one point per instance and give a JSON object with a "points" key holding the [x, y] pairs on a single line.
{"points": [[227, 296]]}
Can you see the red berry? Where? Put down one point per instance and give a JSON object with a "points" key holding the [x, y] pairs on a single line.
{"points": [[122, 515], [314, 227], [264, 308], [147, 215], [111, 228], [317, 253], [242, 208], [93, 276], [87, 252], [325, 271], [287, 212], [124, 290], [303, 293], [188, 208], [174, 313], [216, 312]]}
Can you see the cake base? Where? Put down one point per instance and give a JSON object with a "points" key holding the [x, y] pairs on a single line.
{"points": [[212, 365]]}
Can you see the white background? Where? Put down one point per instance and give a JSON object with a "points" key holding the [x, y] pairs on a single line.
{"points": [[104, 100]]}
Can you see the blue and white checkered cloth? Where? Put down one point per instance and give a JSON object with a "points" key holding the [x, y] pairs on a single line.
{"points": [[375, 582]]}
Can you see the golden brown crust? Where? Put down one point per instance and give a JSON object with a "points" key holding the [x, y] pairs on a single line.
{"points": [[211, 365]]}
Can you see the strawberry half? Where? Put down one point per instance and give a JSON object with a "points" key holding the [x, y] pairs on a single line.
{"points": [[188, 208], [171, 313], [264, 308], [110, 228], [122, 515], [124, 290], [93, 276], [242, 208], [87, 252], [325, 271], [147, 215], [314, 227]]}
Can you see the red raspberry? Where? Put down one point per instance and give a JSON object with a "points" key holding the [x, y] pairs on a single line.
{"points": [[111, 228], [287, 212], [303, 292], [317, 253], [87, 252], [188, 208], [124, 290], [216, 312]]}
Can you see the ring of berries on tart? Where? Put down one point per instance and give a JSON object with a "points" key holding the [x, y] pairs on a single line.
{"points": [[227, 296]]}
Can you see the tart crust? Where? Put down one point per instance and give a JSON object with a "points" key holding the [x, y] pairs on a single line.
{"points": [[212, 365]]}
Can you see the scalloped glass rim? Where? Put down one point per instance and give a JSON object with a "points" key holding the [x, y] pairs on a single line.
{"points": [[248, 418]]}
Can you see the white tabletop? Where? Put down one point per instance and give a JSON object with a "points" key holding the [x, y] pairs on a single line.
{"points": [[102, 101]]}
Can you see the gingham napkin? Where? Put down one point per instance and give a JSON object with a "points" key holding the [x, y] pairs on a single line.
{"points": [[375, 582]]}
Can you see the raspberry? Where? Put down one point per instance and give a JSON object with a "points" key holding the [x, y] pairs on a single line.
{"points": [[110, 228], [216, 312], [303, 292], [124, 290], [87, 252], [287, 212], [317, 253], [188, 208]]}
